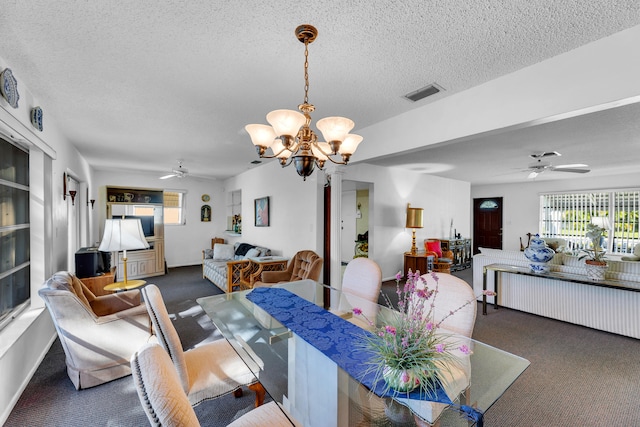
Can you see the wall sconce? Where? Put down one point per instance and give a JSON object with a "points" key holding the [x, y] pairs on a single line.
{"points": [[72, 193], [92, 201]]}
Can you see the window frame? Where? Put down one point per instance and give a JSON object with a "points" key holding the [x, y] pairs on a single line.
{"points": [[182, 202], [24, 268], [609, 208]]}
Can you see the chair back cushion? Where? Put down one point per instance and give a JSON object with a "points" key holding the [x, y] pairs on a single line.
{"points": [[432, 245], [166, 332], [161, 395], [363, 278], [306, 265], [63, 280], [454, 292]]}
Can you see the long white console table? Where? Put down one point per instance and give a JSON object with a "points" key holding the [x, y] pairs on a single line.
{"points": [[608, 305]]}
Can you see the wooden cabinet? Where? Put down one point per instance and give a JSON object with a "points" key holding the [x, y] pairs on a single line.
{"points": [[147, 204], [461, 249]]}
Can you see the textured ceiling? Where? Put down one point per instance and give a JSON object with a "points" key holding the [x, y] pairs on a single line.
{"points": [[180, 79]]}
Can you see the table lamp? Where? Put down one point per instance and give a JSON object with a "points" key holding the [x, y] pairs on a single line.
{"points": [[414, 220], [122, 235]]}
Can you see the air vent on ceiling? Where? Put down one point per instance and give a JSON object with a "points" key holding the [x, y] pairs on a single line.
{"points": [[428, 90]]}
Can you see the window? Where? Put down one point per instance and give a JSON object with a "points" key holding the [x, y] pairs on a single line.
{"points": [[174, 208], [566, 216], [14, 231]]}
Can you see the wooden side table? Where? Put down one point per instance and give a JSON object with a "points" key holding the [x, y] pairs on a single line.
{"points": [[419, 261], [96, 284], [257, 266]]}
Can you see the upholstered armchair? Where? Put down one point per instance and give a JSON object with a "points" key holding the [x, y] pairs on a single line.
{"points": [[98, 334], [304, 265], [442, 260]]}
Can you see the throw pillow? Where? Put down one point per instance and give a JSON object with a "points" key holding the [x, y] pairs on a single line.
{"points": [[434, 246], [222, 252], [252, 253]]}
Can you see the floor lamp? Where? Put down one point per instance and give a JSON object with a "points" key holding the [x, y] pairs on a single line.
{"points": [[122, 235], [414, 220]]}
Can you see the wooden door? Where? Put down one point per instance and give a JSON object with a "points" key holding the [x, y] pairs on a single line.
{"points": [[487, 223]]}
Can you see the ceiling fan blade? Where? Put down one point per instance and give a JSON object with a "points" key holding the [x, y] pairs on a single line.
{"points": [[574, 170], [545, 154], [171, 175]]}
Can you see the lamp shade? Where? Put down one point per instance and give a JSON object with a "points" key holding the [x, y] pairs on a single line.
{"points": [[335, 128], [286, 122], [122, 235], [350, 144], [414, 217], [261, 135]]}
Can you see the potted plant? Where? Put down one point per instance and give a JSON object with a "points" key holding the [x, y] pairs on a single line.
{"points": [[595, 263]]}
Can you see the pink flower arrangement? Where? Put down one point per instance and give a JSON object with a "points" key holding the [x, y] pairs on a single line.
{"points": [[409, 340]]}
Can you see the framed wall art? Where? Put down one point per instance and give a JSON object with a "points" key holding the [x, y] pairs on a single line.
{"points": [[262, 212]]}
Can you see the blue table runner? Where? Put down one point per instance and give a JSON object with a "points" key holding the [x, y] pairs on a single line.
{"points": [[337, 339]]}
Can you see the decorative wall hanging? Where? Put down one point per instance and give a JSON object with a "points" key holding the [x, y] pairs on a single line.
{"points": [[9, 87], [205, 213], [262, 212], [36, 118]]}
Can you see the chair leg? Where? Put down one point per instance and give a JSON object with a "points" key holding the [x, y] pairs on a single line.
{"points": [[260, 392]]}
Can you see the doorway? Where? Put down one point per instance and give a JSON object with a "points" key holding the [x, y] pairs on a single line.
{"points": [[355, 219], [487, 223]]}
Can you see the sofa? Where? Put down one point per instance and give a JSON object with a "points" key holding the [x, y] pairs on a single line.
{"points": [[99, 334], [224, 263], [605, 308]]}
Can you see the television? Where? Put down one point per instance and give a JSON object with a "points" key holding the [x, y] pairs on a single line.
{"points": [[145, 220], [91, 262]]}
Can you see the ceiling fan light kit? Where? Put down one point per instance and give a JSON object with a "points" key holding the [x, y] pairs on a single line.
{"points": [[290, 136]]}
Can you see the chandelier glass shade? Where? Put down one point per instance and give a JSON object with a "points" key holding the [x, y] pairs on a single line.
{"points": [[290, 136]]}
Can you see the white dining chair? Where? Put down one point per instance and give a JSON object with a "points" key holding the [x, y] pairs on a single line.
{"points": [[166, 404], [207, 371], [453, 293], [362, 278]]}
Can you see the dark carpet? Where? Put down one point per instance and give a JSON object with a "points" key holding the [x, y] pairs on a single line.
{"points": [[578, 376]]}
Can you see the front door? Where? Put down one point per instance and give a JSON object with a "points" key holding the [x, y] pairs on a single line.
{"points": [[487, 223]]}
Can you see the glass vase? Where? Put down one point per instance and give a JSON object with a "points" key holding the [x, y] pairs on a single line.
{"points": [[402, 380]]}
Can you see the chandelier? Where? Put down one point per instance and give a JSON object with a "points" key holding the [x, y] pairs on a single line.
{"points": [[290, 137]]}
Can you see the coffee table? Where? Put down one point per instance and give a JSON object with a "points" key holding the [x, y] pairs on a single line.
{"points": [[314, 389]]}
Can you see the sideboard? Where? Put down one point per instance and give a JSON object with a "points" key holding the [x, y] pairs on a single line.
{"points": [[565, 294], [461, 249]]}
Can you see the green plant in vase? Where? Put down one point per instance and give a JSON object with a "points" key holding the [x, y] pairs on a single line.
{"points": [[595, 254]]}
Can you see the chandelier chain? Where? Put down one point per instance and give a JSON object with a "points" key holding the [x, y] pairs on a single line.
{"points": [[306, 71]]}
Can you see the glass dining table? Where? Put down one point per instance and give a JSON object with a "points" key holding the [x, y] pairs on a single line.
{"points": [[315, 391]]}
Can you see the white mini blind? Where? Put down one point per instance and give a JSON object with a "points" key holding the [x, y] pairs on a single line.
{"points": [[566, 216]]}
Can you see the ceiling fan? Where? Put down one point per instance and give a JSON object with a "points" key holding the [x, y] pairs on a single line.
{"points": [[180, 172], [540, 166]]}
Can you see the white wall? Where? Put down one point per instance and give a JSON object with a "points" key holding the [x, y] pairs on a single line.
{"points": [[442, 200], [183, 244], [25, 341], [295, 208], [521, 203]]}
